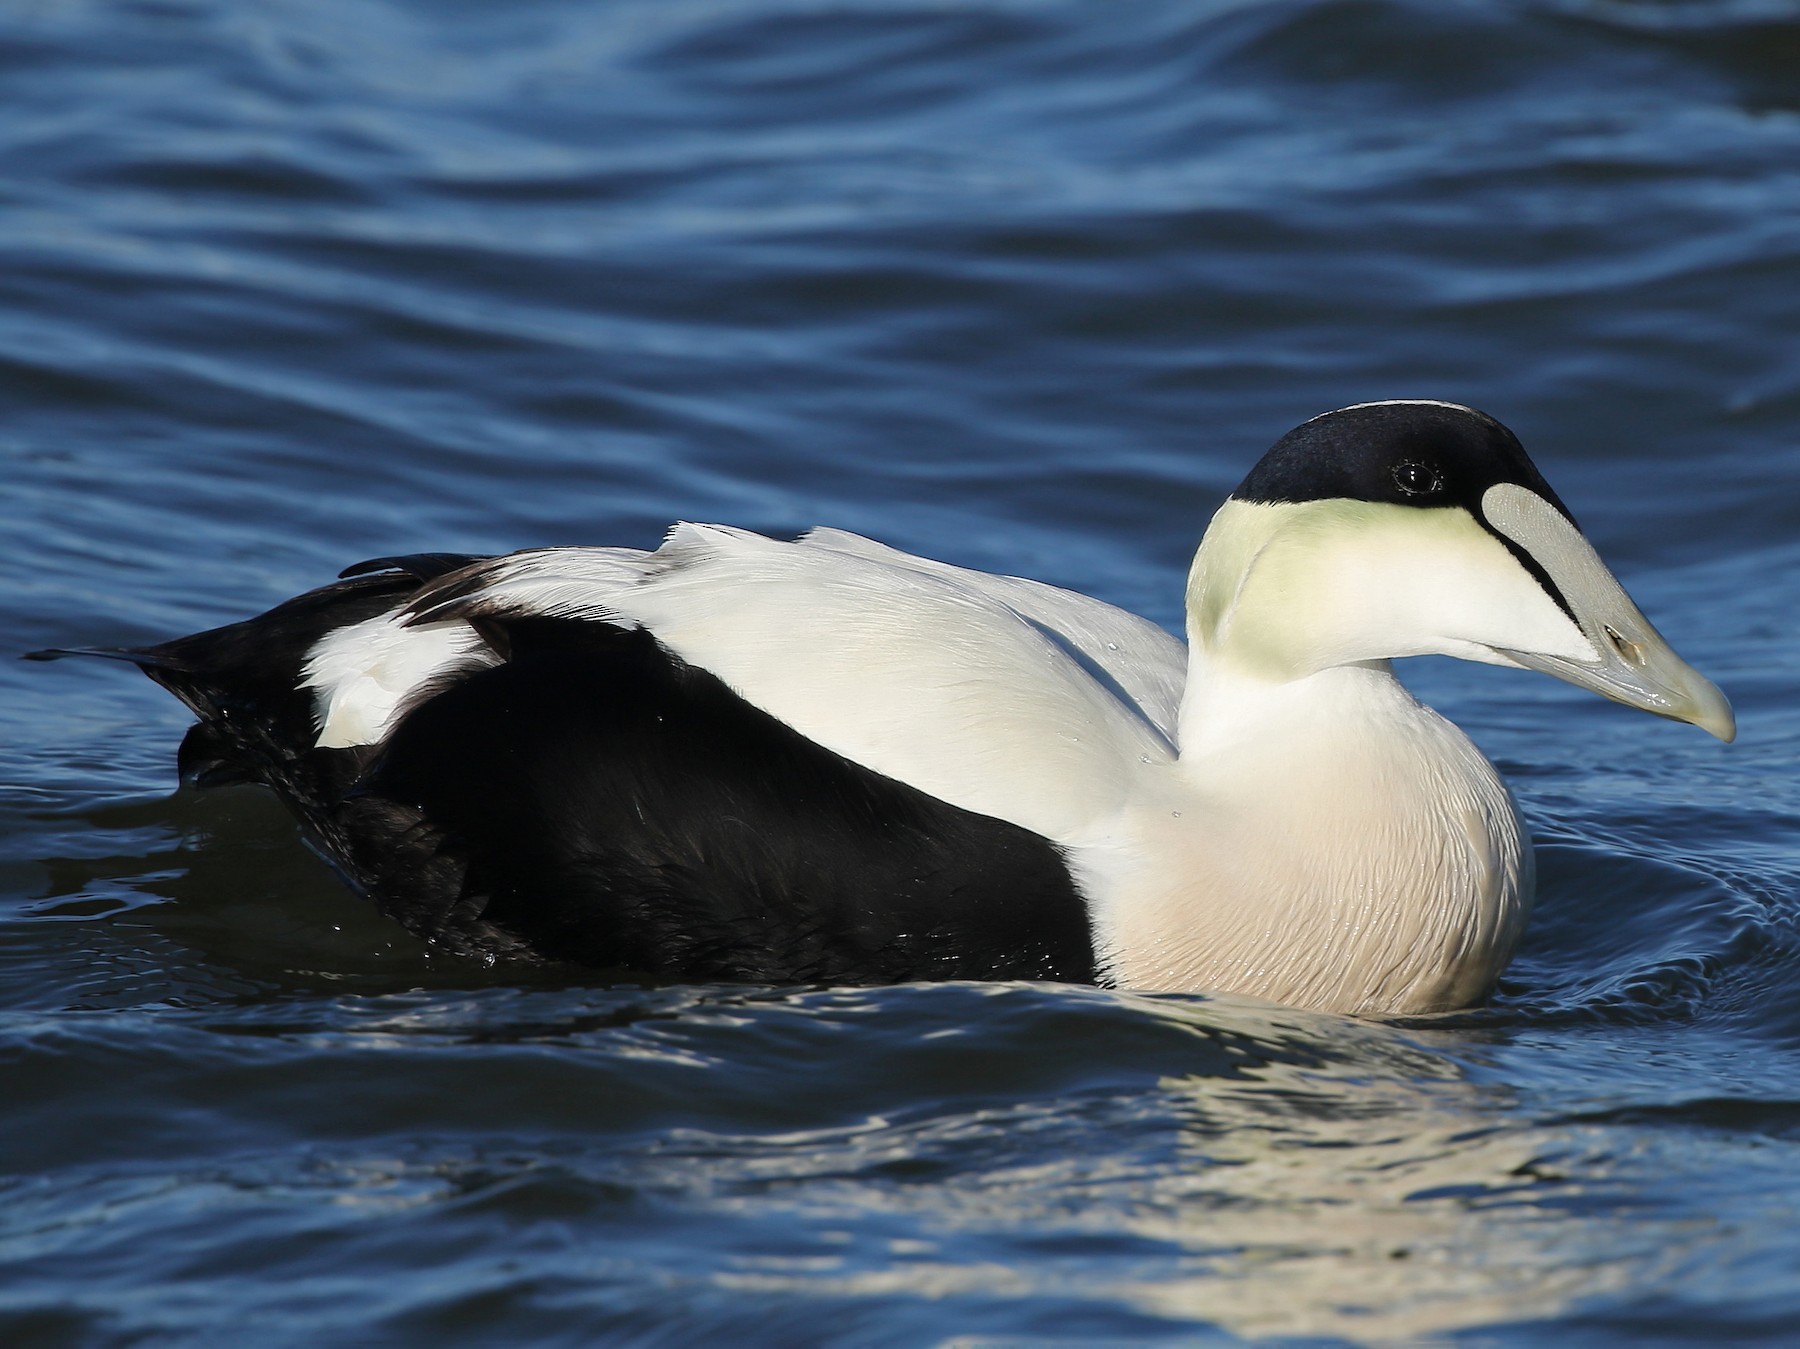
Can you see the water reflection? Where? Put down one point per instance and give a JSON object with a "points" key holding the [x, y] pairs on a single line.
{"points": [[1314, 1176], [1380, 1193]]}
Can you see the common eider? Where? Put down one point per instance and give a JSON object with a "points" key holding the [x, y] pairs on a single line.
{"points": [[826, 761]]}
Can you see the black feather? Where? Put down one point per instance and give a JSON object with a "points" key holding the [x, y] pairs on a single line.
{"points": [[419, 566]]}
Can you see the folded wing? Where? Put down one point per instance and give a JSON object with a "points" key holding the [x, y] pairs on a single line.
{"points": [[999, 695]]}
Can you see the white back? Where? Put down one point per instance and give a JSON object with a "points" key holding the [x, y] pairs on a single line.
{"points": [[997, 694]]}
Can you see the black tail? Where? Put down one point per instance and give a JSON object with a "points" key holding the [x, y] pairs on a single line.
{"points": [[243, 682]]}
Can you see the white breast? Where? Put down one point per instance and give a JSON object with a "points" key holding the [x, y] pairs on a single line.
{"points": [[1327, 842]]}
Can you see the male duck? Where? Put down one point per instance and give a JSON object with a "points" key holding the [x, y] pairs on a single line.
{"points": [[828, 761]]}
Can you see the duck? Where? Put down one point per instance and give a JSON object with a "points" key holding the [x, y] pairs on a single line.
{"points": [[826, 761]]}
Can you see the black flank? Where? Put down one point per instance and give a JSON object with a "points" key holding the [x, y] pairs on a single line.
{"points": [[614, 806], [594, 799]]}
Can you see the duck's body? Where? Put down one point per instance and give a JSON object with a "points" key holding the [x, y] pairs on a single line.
{"points": [[826, 760]]}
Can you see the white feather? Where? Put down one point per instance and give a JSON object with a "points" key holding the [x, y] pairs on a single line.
{"points": [[366, 675]]}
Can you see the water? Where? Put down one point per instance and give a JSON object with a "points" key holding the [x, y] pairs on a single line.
{"points": [[1022, 285]]}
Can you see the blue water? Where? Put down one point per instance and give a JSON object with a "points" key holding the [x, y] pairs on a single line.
{"points": [[1026, 286]]}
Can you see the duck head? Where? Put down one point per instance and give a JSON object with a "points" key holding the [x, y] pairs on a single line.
{"points": [[1422, 528]]}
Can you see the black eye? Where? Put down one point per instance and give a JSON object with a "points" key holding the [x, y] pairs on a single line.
{"points": [[1416, 479]]}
